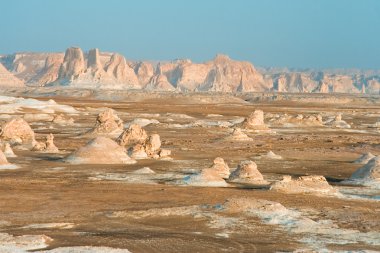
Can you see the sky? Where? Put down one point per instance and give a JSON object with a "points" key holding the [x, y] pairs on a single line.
{"points": [[278, 33]]}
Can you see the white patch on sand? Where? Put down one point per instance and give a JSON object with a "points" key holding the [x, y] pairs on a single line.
{"points": [[14, 105], [137, 178], [86, 249], [142, 122], [23, 243], [49, 225], [9, 167]]}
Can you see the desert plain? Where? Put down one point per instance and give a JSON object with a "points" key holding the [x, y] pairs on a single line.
{"points": [[242, 172]]}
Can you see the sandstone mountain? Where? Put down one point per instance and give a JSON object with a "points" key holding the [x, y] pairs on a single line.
{"points": [[104, 70]]}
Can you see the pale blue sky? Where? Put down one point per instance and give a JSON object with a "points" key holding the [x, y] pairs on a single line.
{"points": [[293, 33]]}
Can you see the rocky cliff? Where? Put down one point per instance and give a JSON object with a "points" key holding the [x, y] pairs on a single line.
{"points": [[95, 69]]}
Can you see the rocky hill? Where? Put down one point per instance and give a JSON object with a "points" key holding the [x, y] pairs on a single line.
{"points": [[102, 70]]}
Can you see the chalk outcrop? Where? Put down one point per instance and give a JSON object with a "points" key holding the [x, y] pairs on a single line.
{"points": [[304, 184], [135, 134], [237, 135], [213, 176], [100, 150], [18, 131], [338, 122], [247, 172], [108, 123], [48, 146], [8, 79]]}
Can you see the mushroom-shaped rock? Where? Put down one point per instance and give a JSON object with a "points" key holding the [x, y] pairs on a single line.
{"points": [[153, 144], [369, 172], [133, 135], [304, 184], [18, 131], [8, 152], [238, 135], [364, 158], [101, 150], [247, 172], [108, 123]]}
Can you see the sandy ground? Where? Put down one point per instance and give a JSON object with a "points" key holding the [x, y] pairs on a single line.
{"points": [[101, 201]]}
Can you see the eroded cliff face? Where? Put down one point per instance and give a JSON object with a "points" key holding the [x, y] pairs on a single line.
{"points": [[8, 79], [102, 70]]}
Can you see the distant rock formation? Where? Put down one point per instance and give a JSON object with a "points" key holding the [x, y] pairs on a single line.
{"points": [[48, 146], [8, 79], [102, 70]]}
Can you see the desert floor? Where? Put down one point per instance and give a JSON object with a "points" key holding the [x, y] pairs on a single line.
{"points": [[109, 205]]}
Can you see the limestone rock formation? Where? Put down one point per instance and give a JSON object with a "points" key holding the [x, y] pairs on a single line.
{"points": [[18, 131], [304, 184], [73, 64], [135, 134], [338, 122], [255, 122], [364, 158], [300, 120], [121, 71], [213, 176], [8, 79], [144, 71], [48, 146], [237, 135], [247, 172], [100, 150], [50, 72], [108, 123], [160, 82], [138, 152], [152, 145]]}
